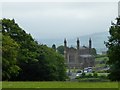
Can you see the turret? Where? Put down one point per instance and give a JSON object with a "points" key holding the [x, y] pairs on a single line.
{"points": [[78, 44], [65, 43], [65, 50], [90, 43]]}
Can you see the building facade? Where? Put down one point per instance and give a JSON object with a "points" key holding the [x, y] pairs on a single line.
{"points": [[80, 57]]}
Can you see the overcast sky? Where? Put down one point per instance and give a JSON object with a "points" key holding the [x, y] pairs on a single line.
{"points": [[61, 19]]}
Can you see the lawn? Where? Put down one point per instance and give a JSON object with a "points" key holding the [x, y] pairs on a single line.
{"points": [[59, 84], [102, 58]]}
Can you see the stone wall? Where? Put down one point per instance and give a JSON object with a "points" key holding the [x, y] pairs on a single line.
{"points": [[79, 58]]}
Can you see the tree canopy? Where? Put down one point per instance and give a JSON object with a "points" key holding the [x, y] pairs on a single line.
{"points": [[60, 49], [113, 46], [25, 59], [9, 53]]}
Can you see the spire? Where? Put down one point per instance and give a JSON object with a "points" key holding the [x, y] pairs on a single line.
{"points": [[90, 43], [65, 50], [78, 43], [65, 43], [65, 40]]}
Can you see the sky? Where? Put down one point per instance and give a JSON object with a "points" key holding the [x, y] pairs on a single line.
{"points": [[58, 20]]}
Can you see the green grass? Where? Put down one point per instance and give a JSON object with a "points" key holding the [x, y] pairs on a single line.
{"points": [[106, 74], [101, 61], [100, 65], [102, 58], [99, 74], [0, 85], [59, 84]]}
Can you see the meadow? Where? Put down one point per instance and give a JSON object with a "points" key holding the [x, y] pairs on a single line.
{"points": [[8, 84]]}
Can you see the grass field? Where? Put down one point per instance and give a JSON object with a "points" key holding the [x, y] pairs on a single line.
{"points": [[59, 84], [102, 58]]}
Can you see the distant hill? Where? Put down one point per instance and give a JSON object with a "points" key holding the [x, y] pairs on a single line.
{"points": [[97, 41]]}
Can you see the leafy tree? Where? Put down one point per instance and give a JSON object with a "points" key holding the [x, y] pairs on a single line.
{"points": [[60, 49], [53, 62], [37, 62], [54, 47], [26, 51], [113, 46], [9, 62], [93, 52]]}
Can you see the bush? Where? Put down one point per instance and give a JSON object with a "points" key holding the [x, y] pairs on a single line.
{"points": [[92, 80], [83, 75], [89, 75], [99, 56], [95, 75], [103, 71], [103, 76]]}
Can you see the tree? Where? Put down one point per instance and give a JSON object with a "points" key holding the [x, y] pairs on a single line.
{"points": [[10, 68], [113, 46], [60, 49], [93, 51], [54, 47], [36, 61]]}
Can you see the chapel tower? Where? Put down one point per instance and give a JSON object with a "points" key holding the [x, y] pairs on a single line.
{"points": [[65, 50], [78, 44], [90, 43]]}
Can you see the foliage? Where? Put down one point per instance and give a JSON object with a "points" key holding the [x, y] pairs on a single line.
{"points": [[93, 80], [95, 74], [37, 62], [113, 46], [100, 56], [83, 75], [54, 47], [89, 75], [93, 77], [94, 52], [60, 49], [9, 55]]}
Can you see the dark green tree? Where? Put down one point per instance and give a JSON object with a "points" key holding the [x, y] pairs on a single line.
{"points": [[93, 52], [113, 46], [27, 45], [54, 47], [53, 64], [37, 62], [60, 49]]}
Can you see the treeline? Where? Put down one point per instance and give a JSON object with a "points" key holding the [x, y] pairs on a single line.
{"points": [[23, 59]]}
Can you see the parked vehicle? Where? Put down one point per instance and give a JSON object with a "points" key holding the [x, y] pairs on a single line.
{"points": [[78, 73], [88, 69], [85, 70]]}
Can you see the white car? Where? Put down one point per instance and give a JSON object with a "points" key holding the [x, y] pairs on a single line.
{"points": [[78, 73], [85, 71], [88, 69]]}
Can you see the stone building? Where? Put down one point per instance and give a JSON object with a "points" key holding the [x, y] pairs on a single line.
{"points": [[79, 57]]}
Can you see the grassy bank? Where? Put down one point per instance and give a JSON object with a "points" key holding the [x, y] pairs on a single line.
{"points": [[60, 85]]}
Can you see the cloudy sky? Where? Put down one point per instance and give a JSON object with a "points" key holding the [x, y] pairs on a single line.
{"points": [[50, 20]]}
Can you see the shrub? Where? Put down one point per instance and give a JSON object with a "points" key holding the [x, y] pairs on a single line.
{"points": [[83, 75], [103, 76], [95, 75], [89, 75]]}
